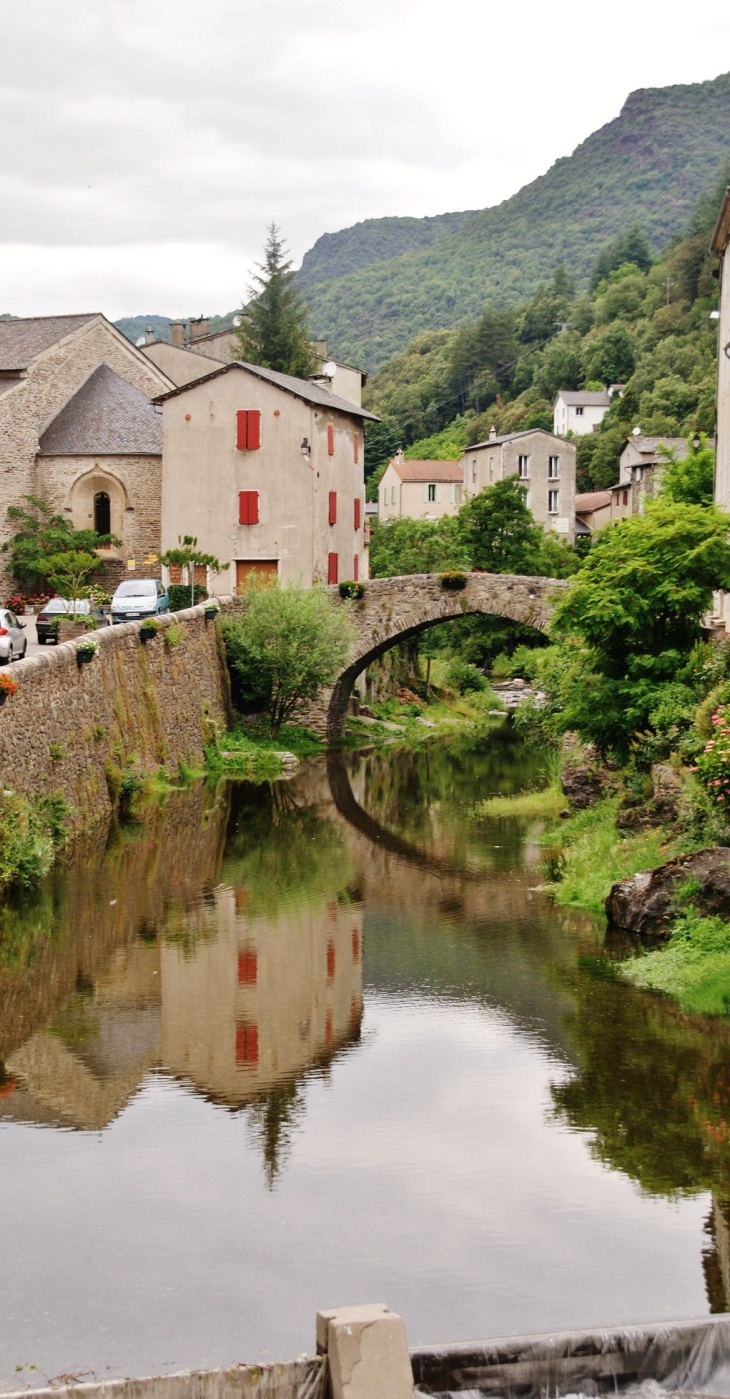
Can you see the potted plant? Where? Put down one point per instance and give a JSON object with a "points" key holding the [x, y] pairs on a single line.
{"points": [[86, 652], [212, 609], [8, 686], [352, 589], [149, 630], [454, 580]]}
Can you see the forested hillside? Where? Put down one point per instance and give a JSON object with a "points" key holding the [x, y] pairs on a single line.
{"points": [[648, 166], [643, 322]]}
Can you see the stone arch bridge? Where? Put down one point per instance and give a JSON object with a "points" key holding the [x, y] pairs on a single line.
{"points": [[394, 609]]}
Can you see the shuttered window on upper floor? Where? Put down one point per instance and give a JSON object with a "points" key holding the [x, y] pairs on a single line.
{"points": [[248, 430], [248, 507], [358, 512], [330, 440], [333, 508]]}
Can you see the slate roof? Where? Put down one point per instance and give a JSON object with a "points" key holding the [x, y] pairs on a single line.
{"points": [[22, 338], [509, 437], [591, 500], [429, 470], [107, 417], [585, 397], [301, 388], [649, 446]]}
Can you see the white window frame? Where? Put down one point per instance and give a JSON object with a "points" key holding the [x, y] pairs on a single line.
{"points": [[579, 410], [553, 502], [431, 493], [553, 468], [523, 468]]}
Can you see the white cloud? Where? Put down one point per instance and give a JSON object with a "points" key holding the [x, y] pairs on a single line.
{"points": [[147, 147]]}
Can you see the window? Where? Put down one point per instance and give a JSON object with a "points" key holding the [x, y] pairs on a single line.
{"points": [[331, 961], [553, 467], [248, 507], [552, 502], [455, 493], [247, 966], [356, 568], [332, 568], [330, 440], [626, 497], [392, 495], [248, 430], [356, 447], [579, 411], [247, 1044], [102, 513], [358, 511], [333, 508], [523, 466], [431, 492]]}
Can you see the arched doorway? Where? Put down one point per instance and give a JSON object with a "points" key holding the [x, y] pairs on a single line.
{"points": [[102, 513]]}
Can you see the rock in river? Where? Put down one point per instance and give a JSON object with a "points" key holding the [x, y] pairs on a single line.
{"points": [[649, 901]]}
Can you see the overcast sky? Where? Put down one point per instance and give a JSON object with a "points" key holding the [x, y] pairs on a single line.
{"points": [[146, 144]]}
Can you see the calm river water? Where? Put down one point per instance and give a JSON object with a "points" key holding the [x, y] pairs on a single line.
{"points": [[279, 1049]]}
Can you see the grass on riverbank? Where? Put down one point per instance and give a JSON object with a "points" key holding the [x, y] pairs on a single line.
{"points": [[693, 968], [586, 854], [30, 834], [546, 803], [249, 750]]}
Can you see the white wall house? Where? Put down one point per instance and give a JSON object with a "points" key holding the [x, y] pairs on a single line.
{"points": [[546, 464], [420, 490], [579, 411]]}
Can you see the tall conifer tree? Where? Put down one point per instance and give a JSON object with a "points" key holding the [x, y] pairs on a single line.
{"points": [[273, 330]]}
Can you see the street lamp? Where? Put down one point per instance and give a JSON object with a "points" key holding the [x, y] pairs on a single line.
{"points": [[696, 442]]}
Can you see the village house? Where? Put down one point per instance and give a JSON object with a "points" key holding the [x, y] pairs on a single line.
{"points": [[420, 490], [546, 464], [266, 470], [581, 411], [592, 512], [77, 429], [182, 358]]}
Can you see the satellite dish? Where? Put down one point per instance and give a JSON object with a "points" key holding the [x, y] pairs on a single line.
{"points": [[237, 321], [142, 341], [329, 369], [636, 431]]}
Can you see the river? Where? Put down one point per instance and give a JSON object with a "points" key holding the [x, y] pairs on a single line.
{"points": [[325, 1042]]}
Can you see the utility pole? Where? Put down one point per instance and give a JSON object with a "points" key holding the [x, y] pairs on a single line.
{"points": [[668, 286]]}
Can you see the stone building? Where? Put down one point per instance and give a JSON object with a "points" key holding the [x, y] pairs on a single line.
{"points": [[267, 471], [420, 490], [546, 464], [45, 361]]}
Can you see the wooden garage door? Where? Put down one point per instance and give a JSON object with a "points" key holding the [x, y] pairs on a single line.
{"points": [[259, 568]]}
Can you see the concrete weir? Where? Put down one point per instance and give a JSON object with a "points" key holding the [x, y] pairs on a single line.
{"points": [[362, 1353]]}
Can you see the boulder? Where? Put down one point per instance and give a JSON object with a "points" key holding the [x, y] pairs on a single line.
{"points": [[582, 784], [649, 901]]}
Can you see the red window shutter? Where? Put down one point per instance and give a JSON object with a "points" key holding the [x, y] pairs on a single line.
{"points": [[356, 445], [247, 966], [330, 440], [358, 510], [355, 945], [254, 429], [332, 568], [242, 430], [356, 568], [333, 507], [330, 960], [248, 507], [247, 1044]]}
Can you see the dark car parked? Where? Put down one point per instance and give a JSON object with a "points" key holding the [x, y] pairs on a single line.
{"points": [[49, 618]]}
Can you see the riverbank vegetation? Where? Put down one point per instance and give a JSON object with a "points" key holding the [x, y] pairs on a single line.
{"points": [[31, 833]]}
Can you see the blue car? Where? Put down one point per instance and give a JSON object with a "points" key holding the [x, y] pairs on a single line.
{"points": [[137, 598]]}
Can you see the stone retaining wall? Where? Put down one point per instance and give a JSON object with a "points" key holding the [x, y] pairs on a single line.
{"points": [[69, 728]]}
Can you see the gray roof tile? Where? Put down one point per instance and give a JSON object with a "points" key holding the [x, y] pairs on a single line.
{"points": [[107, 417], [22, 338], [302, 388]]}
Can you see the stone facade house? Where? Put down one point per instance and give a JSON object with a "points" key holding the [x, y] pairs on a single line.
{"points": [[546, 464], [182, 358], [267, 471], [44, 362], [420, 490]]}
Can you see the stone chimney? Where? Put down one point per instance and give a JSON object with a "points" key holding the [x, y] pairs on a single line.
{"points": [[149, 336], [177, 332], [492, 433], [198, 328], [320, 348]]}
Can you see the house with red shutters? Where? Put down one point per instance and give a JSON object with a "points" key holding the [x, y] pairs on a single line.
{"points": [[266, 470]]}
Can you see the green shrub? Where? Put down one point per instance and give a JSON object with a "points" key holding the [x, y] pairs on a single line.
{"points": [[175, 634], [179, 595], [464, 678], [26, 840]]}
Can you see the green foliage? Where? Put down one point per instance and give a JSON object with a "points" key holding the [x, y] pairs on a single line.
{"points": [[634, 610], [713, 764], [179, 595], [45, 547], [416, 546], [691, 479], [694, 968], [587, 854], [29, 835], [454, 581], [69, 573], [464, 678], [286, 645], [273, 330], [351, 589], [446, 445], [174, 635], [188, 555], [631, 246], [372, 288], [499, 531]]}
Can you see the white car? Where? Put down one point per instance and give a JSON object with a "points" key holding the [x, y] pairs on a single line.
{"points": [[13, 644]]}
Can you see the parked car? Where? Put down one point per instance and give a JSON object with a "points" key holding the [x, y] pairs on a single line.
{"points": [[12, 642], [139, 597], [49, 617]]}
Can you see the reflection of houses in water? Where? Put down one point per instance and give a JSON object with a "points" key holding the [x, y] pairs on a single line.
{"points": [[262, 1000], [237, 1006]]}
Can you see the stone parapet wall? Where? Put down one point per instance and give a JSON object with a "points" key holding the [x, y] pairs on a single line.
{"points": [[69, 727]]}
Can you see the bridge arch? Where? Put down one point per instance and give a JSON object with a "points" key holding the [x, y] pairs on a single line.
{"points": [[394, 609]]}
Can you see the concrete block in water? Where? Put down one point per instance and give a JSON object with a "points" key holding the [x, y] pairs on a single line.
{"points": [[367, 1352]]}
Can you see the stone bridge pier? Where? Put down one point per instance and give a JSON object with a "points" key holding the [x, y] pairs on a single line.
{"points": [[393, 609]]}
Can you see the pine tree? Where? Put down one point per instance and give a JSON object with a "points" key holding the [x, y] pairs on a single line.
{"points": [[273, 331]]}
